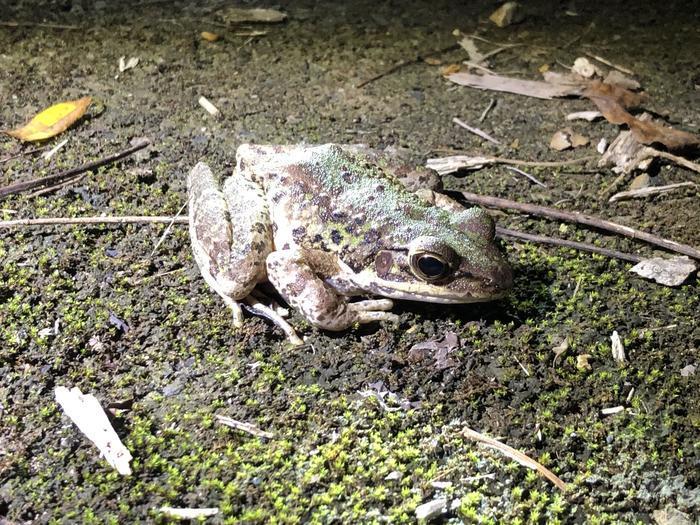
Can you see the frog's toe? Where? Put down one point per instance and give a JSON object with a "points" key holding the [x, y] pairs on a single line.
{"points": [[265, 311], [370, 317], [236, 310], [371, 305], [372, 310]]}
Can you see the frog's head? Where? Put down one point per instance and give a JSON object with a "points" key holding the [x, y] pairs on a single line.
{"points": [[456, 263]]}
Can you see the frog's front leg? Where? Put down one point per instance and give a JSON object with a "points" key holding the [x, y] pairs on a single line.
{"points": [[299, 275]]}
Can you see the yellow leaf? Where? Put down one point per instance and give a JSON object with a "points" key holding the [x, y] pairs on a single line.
{"points": [[52, 121]]}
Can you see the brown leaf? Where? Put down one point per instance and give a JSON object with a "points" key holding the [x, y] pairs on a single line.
{"points": [[626, 98], [52, 121], [612, 100]]}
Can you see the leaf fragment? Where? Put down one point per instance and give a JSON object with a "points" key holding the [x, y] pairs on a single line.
{"points": [[52, 121]]}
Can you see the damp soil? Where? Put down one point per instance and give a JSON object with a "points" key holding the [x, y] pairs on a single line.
{"points": [[365, 427]]}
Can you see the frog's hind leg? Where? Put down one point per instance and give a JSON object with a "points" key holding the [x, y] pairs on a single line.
{"points": [[230, 234]]}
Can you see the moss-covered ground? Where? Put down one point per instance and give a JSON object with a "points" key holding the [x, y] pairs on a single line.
{"points": [[363, 431]]}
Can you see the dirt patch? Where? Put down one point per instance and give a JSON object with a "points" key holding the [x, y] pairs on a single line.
{"points": [[363, 426]]}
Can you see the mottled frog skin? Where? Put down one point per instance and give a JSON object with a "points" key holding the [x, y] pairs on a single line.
{"points": [[326, 223]]}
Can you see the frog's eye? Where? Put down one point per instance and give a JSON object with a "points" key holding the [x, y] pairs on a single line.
{"points": [[430, 259], [429, 266]]}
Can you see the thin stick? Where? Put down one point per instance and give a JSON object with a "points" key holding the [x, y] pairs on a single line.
{"points": [[126, 219], [35, 24], [54, 179], [681, 161], [23, 153], [581, 218], [167, 229], [404, 63], [58, 186], [492, 103], [527, 175], [515, 455], [475, 131], [582, 246], [611, 64]]}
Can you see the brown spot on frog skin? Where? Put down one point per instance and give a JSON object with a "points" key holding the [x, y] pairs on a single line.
{"points": [[383, 263]]}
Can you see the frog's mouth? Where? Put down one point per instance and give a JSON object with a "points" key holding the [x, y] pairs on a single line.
{"points": [[464, 290]]}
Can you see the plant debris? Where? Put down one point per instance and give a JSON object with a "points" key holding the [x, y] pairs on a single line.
{"points": [[508, 14], [650, 191], [52, 121], [237, 15], [618, 350], [87, 414], [189, 513], [672, 271]]}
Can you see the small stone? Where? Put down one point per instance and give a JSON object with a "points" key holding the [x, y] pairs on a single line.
{"points": [[640, 181]]}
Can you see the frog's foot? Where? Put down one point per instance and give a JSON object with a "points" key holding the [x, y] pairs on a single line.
{"points": [[269, 301], [374, 310], [269, 313], [301, 276], [235, 309]]}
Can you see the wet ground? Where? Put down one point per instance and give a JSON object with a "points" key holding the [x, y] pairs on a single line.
{"points": [[364, 429]]}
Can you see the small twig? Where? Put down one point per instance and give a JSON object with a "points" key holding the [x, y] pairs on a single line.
{"points": [[404, 63], [54, 179], [37, 24], [611, 64], [681, 161], [23, 153], [492, 103], [526, 174], [475, 131], [515, 455], [447, 165], [649, 191], [244, 427], [58, 186], [168, 228], [581, 246], [125, 219], [581, 218]]}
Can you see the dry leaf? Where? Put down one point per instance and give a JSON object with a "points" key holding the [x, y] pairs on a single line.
{"points": [[612, 101], [52, 121]]}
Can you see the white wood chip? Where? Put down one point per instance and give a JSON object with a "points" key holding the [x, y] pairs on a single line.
{"points": [[189, 514], [87, 414], [590, 116], [671, 271], [208, 106], [48, 154], [127, 64], [618, 350], [612, 410]]}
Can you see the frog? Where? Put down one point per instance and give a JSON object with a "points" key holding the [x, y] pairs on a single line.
{"points": [[340, 231]]}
